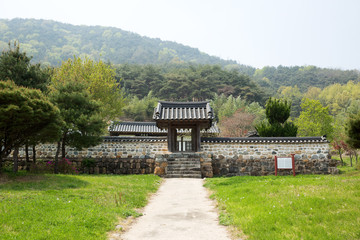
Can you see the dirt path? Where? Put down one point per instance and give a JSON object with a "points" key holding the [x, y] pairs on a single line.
{"points": [[180, 209]]}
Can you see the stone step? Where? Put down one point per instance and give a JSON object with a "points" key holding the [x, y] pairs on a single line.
{"points": [[183, 172], [183, 176], [185, 165], [183, 155], [183, 160], [183, 168]]}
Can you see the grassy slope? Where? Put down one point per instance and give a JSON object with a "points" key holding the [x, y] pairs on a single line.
{"points": [[69, 207], [286, 207]]}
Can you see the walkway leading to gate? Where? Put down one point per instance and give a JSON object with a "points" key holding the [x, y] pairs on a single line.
{"points": [[180, 209]]}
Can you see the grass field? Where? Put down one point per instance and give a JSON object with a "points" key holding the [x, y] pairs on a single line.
{"points": [[287, 207], [69, 206]]}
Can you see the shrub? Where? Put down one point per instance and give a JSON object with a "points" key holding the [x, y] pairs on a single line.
{"points": [[42, 166], [276, 130], [65, 166], [277, 113], [88, 162]]}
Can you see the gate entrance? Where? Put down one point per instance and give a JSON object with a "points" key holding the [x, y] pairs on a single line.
{"points": [[175, 116]]}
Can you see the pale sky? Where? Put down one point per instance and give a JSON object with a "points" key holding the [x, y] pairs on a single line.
{"points": [[325, 33]]}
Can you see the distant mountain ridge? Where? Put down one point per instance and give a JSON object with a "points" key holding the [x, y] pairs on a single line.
{"points": [[51, 42]]}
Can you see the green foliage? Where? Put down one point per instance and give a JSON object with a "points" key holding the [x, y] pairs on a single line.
{"points": [[69, 206], [52, 42], [98, 79], [83, 124], [293, 95], [353, 131], [276, 130], [25, 113], [236, 116], [341, 97], [237, 125], [187, 83], [225, 106], [65, 166], [140, 110], [303, 76], [286, 207], [277, 112], [314, 120], [88, 162], [256, 109], [16, 66]]}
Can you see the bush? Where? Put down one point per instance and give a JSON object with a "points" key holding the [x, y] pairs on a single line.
{"points": [[277, 112], [65, 166], [42, 166], [88, 162], [276, 130]]}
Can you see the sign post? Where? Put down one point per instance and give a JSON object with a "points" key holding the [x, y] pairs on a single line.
{"points": [[285, 163]]}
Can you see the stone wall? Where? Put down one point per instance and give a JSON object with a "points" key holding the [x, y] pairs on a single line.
{"points": [[111, 148], [116, 155], [219, 156], [255, 158]]}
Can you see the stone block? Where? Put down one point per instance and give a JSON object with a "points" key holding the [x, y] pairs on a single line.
{"points": [[159, 171]]}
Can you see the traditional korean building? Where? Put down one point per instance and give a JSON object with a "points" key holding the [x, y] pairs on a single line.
{"points": [[124, 128], [178, 117]]}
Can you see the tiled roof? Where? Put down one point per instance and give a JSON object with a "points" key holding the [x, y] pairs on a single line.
{"points": [[150, 128], [134, 139], [135, 127], [224, 140], [183, 111], [266, 139]]}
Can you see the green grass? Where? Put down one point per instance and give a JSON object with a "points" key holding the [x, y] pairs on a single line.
{"points": [[69, 206], [347, 168], [287, 207]]}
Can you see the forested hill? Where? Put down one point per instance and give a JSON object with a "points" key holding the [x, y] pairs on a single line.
{"points": [[303, 77], [50, 42]]}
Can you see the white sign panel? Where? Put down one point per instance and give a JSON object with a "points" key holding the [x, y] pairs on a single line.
{"points": [[284, 163]]}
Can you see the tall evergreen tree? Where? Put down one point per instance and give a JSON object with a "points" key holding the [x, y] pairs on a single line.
{"points": [[15, 65], [353, 131], [277, 113], [24, 113]]}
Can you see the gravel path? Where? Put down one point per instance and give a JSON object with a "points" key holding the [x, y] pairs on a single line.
{"points": [[180, 209]]}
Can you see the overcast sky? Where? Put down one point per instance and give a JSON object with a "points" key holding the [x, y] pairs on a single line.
{"points": [[259, 33]]}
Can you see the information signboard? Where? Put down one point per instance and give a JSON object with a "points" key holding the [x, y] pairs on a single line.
{"points": [[285, 163]]}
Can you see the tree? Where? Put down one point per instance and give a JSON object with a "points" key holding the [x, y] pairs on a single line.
{"points": [[238, 125], [16, 66], [83, 124], [339, 145], [98, 79], [24, 113], [314, 120], [293, 95], [353, 132], [277, 112], [226, 106], [140, 110]]}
